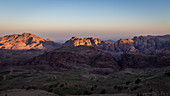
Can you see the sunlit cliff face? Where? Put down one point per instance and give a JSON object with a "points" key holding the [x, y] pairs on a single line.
{"points": [[25, 41], [91, 41], [86, 41]]}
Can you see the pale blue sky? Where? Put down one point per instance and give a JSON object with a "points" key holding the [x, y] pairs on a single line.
{"points": [[105, 19]]}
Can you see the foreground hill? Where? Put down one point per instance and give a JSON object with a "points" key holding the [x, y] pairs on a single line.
{"points": [[26, 41], [71, 58]]}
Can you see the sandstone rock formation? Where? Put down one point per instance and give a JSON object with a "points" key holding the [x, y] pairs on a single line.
{"points": [[26, 41], [100, 44]]}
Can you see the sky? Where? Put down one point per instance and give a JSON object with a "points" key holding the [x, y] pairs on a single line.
{"points": [[106, 19]]}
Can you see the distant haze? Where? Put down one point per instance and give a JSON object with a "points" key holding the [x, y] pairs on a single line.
{"points": [[59, 20]]}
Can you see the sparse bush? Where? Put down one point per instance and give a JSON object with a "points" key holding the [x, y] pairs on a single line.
{"points": [[125, 87], [62, 85], [139, 94], [128, 82], [115, 87], [168, 74], [120, 88], [151, 90], [103, 91], [95, 86], [87, 92], [92, 88], [50, 90], [137, 81], [1, 78], [134, 88]]}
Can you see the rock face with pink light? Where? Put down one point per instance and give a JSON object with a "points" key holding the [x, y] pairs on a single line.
{"points": [[26, 41]]}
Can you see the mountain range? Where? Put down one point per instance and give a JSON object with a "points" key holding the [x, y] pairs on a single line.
{"points": [[138, 52], [141, 43], [139, 66]]}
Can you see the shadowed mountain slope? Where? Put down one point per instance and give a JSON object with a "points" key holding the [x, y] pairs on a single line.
{"points": [[75, 56]]}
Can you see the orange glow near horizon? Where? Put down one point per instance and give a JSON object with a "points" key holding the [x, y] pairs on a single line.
{"points": [[62, 19]]}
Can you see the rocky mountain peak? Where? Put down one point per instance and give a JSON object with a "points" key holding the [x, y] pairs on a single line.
{"points": [[91, 41], [25, 41], [124, 41], [26, 34], [73, 38], [15, 35], [49, 40]]}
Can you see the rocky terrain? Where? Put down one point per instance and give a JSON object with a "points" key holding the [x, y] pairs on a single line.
{"points": [[95, 42], [85, 66], [26, 41], [18, 47]]}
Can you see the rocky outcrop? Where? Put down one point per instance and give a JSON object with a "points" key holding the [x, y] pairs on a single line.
{"points": [[26, 41], [95, 42], [123, 44], [71, 57]]}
